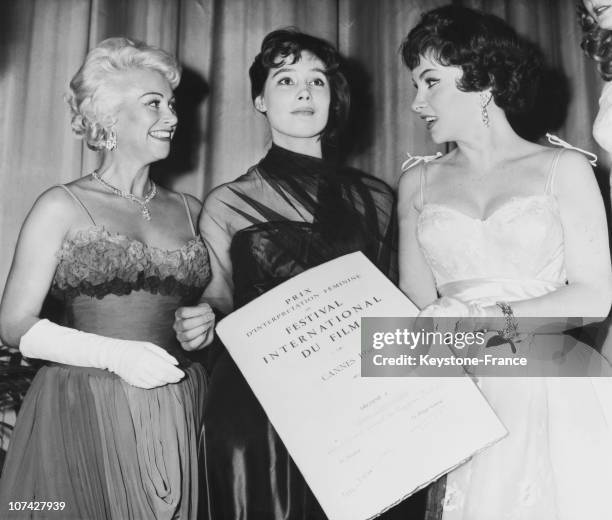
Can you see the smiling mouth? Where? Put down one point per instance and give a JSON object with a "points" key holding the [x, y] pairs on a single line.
{"points": [[429, 121], [162, 135]]}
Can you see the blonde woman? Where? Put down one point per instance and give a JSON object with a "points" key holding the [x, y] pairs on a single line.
{"points": [[110, 425]]}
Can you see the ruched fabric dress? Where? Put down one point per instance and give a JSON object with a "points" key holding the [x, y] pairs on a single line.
{"points": [[83, 435], [286, 214], [556, 462]]}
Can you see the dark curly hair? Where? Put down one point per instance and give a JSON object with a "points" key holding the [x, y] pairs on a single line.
{"points": [[489, 52], [596, 42], [288, 44]]}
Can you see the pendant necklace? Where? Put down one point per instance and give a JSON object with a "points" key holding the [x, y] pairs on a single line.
{"points": [[144, 203]]}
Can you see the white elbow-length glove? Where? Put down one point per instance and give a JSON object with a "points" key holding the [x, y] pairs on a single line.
{"points": [[139, 363]]}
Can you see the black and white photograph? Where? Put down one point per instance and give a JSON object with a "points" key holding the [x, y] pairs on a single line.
{"points": [[305, 259]]}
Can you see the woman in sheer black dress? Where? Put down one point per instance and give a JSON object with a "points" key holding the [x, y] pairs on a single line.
{"points": [[291, 211]]}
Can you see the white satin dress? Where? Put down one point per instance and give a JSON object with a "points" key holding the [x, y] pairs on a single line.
{"points": [[556, 462]]}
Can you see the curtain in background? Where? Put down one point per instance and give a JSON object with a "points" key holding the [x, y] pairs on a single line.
{"points": [[43, 42]]}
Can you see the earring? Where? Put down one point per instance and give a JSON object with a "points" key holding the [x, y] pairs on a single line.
{"points": [[485, 98], [111, 141]]}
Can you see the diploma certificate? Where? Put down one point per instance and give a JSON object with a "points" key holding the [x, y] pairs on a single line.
{"points": [[362, 444]]}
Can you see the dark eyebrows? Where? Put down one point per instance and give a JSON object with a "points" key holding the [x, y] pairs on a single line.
{"points": [[425, 72], [281, 70], [287, 69], [152, 93]]}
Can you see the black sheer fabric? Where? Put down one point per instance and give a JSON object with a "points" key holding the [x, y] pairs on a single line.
{"points": [[286, 214]]}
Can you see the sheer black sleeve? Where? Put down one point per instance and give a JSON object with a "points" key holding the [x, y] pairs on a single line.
{"points": [[376, 203]]}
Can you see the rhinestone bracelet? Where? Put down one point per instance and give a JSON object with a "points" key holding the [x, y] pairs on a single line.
{"points": [[510, 330]]}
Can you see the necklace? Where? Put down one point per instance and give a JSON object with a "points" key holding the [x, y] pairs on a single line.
{"points": [[144, 203]]}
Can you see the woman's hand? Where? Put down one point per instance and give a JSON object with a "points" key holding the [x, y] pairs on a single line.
{"points": [[143, 364], [139, 363], [194, 326], [461, 316]]}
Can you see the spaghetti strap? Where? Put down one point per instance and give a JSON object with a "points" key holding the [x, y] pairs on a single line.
{"points": [[411, 162], [422, 185], [553, 169], [193, 230], [79, 202], [554, 140]]}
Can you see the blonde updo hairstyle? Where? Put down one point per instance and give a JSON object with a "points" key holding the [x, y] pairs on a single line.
{"points": [[93, 100]]}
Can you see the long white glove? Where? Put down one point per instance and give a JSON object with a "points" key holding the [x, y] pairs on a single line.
{"points": [[139, 363]]}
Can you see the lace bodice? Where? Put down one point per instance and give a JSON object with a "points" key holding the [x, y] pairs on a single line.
{"points": [[522, 239], [516, 252], [121, 288], [96, 262]]}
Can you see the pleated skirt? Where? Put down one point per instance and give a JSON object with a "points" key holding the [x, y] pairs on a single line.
{"points": [[105, 449]]}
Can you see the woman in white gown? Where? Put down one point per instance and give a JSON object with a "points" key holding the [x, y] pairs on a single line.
{"points": [[502, 227]]}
